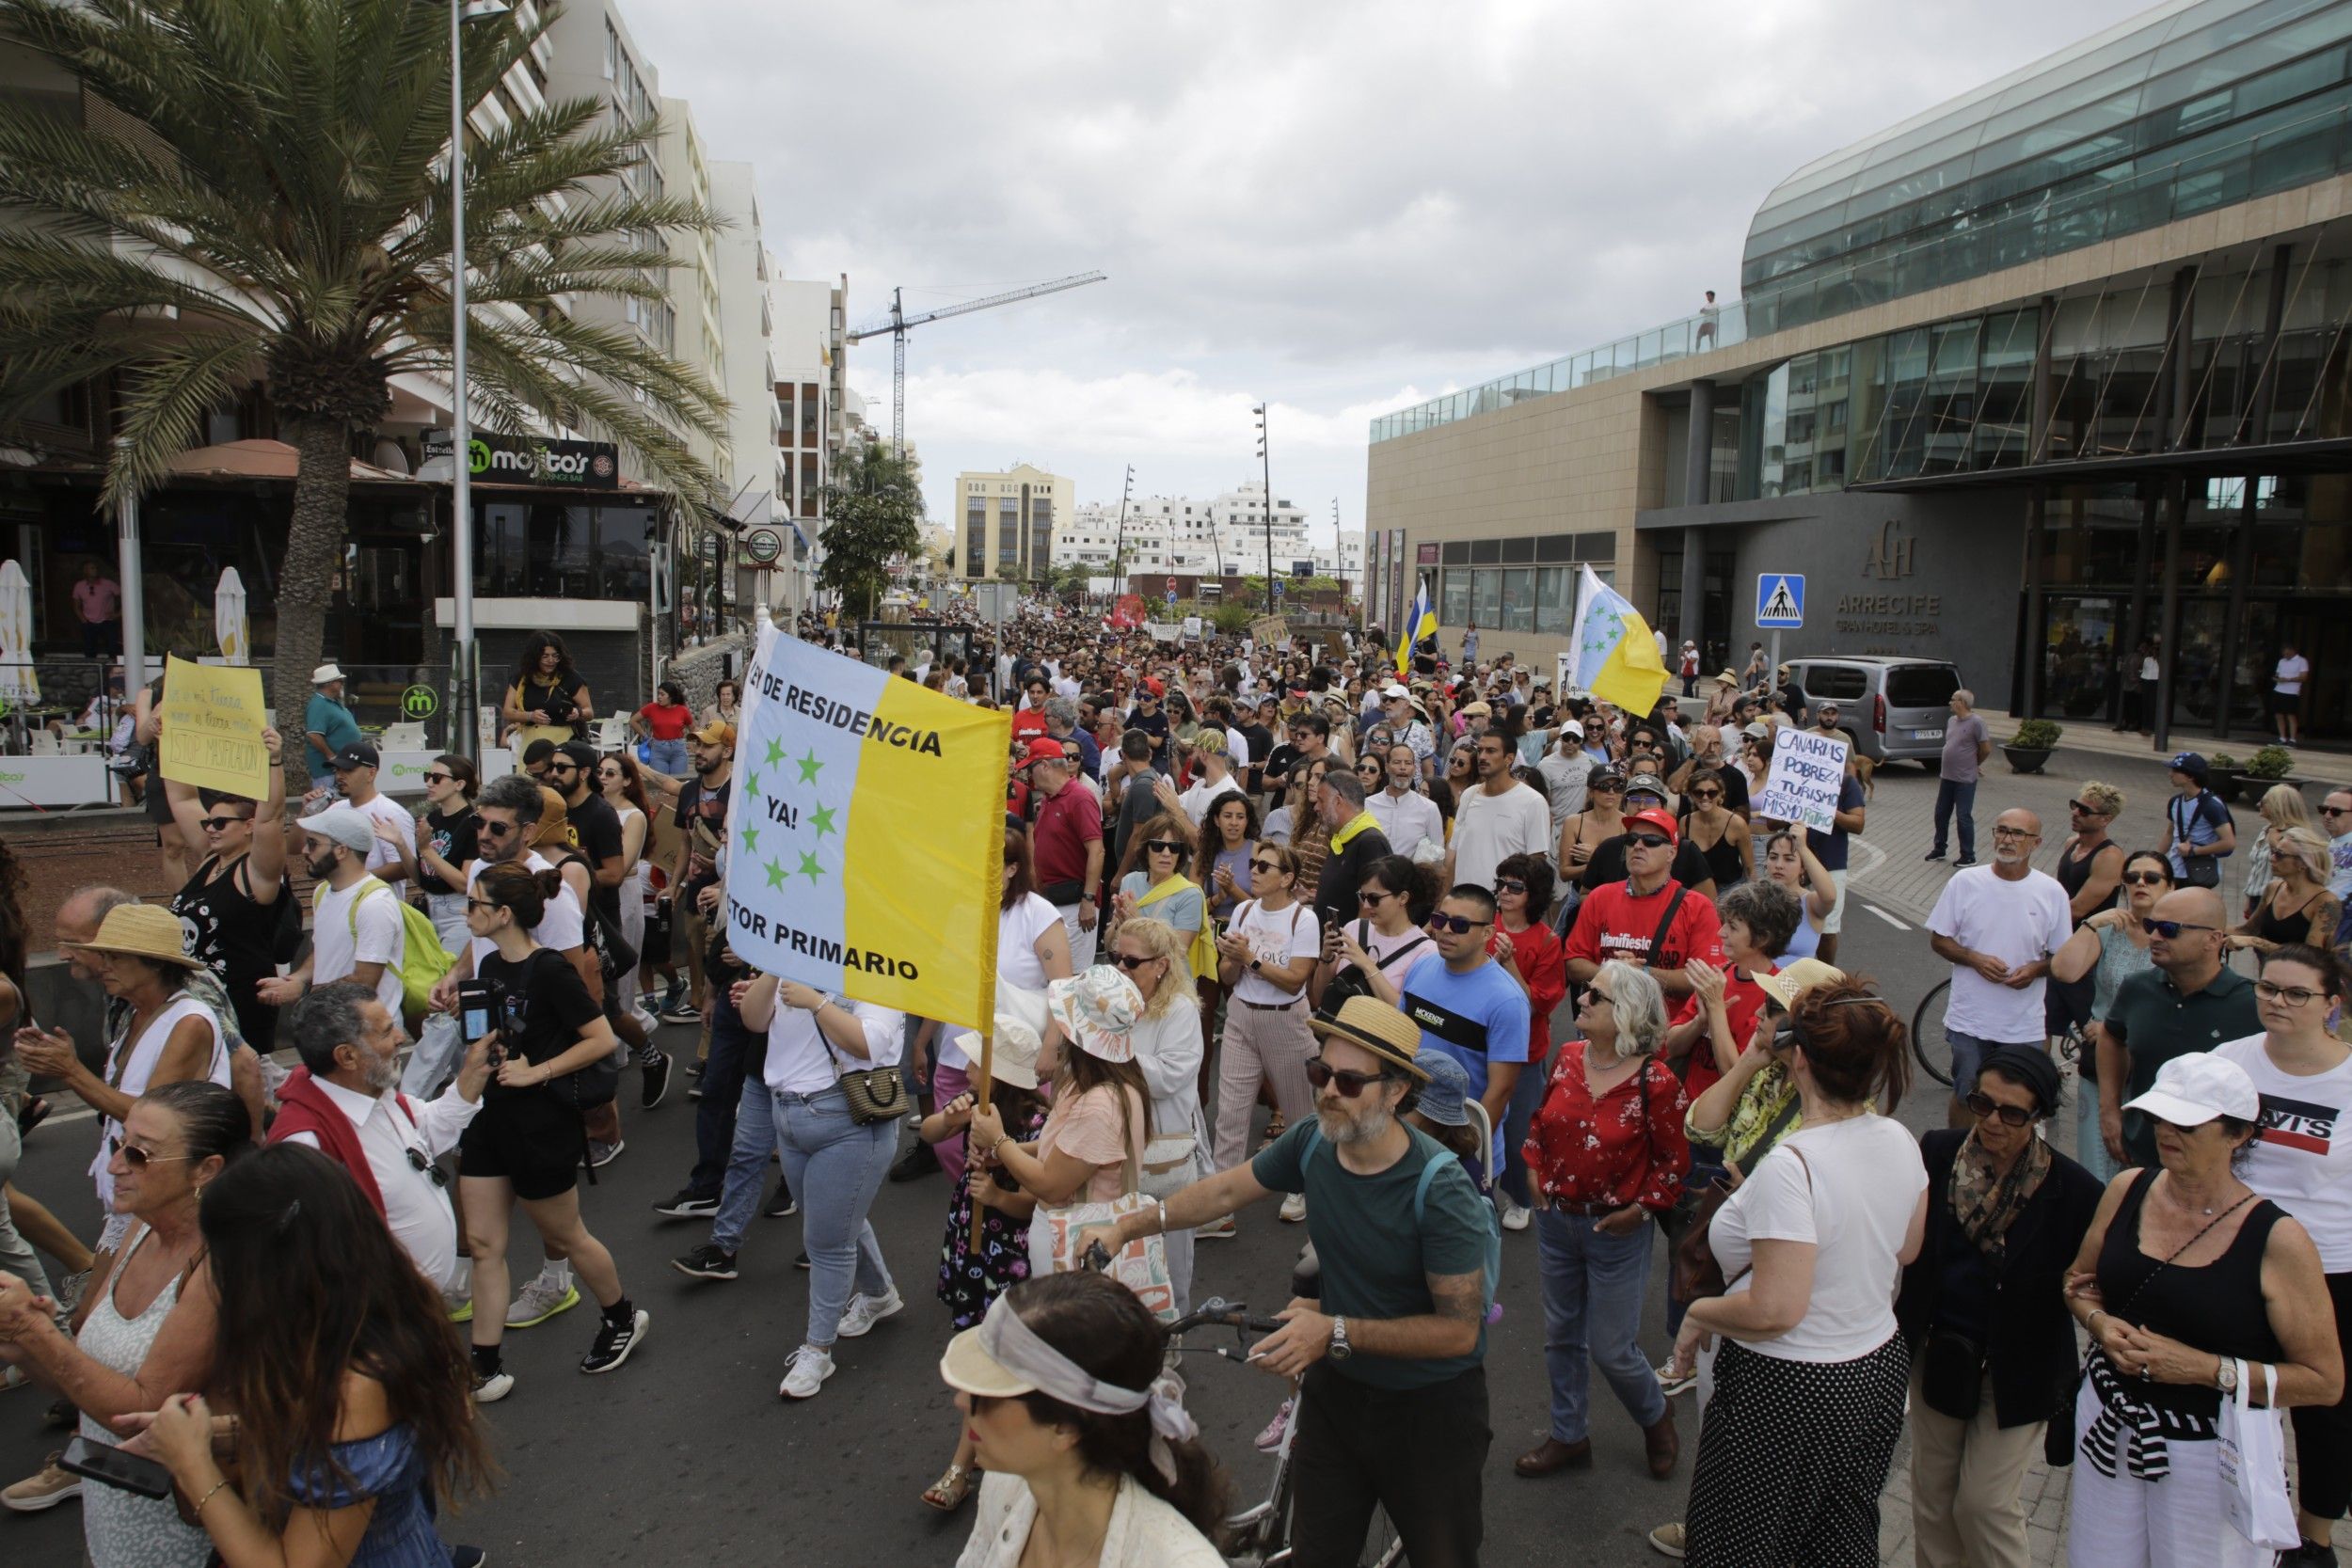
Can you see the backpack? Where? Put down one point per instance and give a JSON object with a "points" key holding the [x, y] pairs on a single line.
{"points": [[422, 959], [1429, 1173]]}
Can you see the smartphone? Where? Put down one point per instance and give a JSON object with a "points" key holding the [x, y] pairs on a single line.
{"points": [[476, 1000], [110, 1467]]}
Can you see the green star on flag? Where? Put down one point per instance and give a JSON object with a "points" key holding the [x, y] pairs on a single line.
{"points": [[821, 820], [809, 766], [776, 874], [775, 753], [809, 867], [751, 786], [751, 839]]}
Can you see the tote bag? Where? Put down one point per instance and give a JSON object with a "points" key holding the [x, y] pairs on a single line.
{"points": [[2250, 1452], [1141, 1265]]}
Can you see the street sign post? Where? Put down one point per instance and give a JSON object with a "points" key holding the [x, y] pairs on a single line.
{"points": [[762, 545], [1779, 606]]}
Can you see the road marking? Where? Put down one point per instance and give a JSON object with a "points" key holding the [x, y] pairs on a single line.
{"points": [[84, 1114], [1888, 918]]}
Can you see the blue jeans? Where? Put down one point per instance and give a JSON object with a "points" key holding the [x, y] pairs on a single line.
{"points": [[835, 1167], [735, 1054], [1525, 1098], [666, 756], [1951, 793], [2091, 1150], [1594, 1287], [1968, 1055]]}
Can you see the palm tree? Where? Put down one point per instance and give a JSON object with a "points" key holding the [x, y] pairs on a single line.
{"points": [[874, 515], [258, 191]]}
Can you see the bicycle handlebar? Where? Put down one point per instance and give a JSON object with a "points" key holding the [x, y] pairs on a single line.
{"points": [[1218, 1313]]}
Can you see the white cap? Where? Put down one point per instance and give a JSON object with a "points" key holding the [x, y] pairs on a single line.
{"points": [[2193, 1090], [1392, 690], [1569, 726], [325, 673]]}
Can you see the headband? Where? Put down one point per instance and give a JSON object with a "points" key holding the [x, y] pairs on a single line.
{"points": [[1014, 1346]]}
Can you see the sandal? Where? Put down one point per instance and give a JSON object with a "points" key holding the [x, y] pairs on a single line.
{"points": [[948, 1493], [1275, 1129]]}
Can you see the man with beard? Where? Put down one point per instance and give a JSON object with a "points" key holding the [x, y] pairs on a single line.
{"points": [[1997, 926], [702, 823], [1391, 1357], [341, 1101], [355, 932], [1500, 819]]}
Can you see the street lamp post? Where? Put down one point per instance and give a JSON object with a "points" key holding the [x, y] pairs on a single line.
{"points": [[1265, 474], [464, 656]]}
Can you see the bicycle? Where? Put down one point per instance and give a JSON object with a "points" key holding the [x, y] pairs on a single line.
{"points": [[1934, 1051]]}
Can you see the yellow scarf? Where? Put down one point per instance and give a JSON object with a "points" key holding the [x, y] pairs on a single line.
{"points": [[1201, 955]]}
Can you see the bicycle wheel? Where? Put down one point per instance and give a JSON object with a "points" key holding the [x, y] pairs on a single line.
{"points": [[1382, 1550], [1927, 1036]]}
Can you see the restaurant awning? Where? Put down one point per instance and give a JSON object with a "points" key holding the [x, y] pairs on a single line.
{"points": [[258, 459]]}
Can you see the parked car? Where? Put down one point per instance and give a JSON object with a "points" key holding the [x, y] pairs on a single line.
{"points": [[1888, 706]]}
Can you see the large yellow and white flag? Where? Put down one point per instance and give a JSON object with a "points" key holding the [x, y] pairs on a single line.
{"points": [[866, 833], [1616, 660]]}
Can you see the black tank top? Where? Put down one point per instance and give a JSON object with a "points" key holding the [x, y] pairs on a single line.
{"points": [[1723, 860], [2283, 929], [224, 930], [2073, 874], [2216, 1307]]}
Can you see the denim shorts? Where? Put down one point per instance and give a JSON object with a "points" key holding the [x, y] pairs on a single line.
{"points": [[1969, 1052]]}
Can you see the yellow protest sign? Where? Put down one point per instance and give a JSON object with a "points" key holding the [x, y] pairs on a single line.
{"points": [[212, 720]]}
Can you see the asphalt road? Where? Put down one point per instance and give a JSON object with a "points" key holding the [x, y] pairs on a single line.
{"points": [[687, 1454]]}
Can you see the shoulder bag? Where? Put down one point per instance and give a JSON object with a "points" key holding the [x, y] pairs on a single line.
{"points": [[874, 1094], [1141, 1265], [2203, 870], [1354, 982], [1696, 1274]]}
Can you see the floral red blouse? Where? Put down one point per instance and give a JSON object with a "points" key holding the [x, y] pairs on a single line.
{"points": [[1629, 1148], [1544, 965]]}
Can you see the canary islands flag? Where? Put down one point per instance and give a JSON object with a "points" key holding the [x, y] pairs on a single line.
{"points": [[866, 833], [1421, 622], [1616, 660]]}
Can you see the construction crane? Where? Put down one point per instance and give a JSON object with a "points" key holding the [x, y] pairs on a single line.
{"points": [[897, 322]]}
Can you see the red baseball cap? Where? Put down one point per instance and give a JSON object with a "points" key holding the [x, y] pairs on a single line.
{"points": [[1657, 819], [1042, 750], [1156, 685]]}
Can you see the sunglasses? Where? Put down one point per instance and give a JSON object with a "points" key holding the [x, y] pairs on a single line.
{"points": [[1980, 1104], [2145, 879], [574, 768], [483, 904], [1322, 1075], [1129, 962], [435, 776], [1651, 841], [1371, 900], [222, 824], [1164, 846], [1271, 868], [495, 830], [2168, 929], [2084, 807], [2335, 810], [1509, 884], [1707, 795], [426, 1169], [1455, 924], [1601, 786], [2293, 996], [139, 1159], [1594, 993]]}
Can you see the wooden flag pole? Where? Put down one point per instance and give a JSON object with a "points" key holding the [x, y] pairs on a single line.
{"points": [[979, 1103]]}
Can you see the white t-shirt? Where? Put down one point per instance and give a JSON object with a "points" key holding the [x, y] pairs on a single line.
{"points": [[385, 809], [1851, 1195], [562, 928], [1196, 800], [1018, 929], [2302, 1158], [2018, 923], [1276, 937], [1394, 955], [800, 1061], [1488, 829], [343, 937], [2290, 675]]}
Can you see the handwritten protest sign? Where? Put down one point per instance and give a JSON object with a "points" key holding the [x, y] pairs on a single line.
{"points": [[1808, 770], [212, 718]]}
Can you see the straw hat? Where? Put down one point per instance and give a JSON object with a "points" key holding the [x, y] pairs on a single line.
{"points": [[1796, 979], [1380, 1029], [555, 820], [147, 931]]}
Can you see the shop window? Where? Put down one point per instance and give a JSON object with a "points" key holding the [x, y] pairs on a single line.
{"points": [[1453, 608], [1556, 593], [1486, 597], [1518, 599]]}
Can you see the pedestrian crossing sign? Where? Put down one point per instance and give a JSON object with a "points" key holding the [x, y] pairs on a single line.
{"points": [[1780, 601]]}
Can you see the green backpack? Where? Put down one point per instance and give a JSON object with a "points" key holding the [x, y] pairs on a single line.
{"points": [[422, 959]]}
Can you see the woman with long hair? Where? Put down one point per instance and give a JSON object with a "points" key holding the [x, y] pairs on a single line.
{"points": [[2110, 946], [348, 1435], [2282, 806], [1789, 860], [1717, 831], [1267, 956], [1171, 1050], [1386, 938], [1159, 888], [548, 701], [1311, 835], [1811, 1374], [1602, 819], [449, 836], [2295, 908], [230, 908], [622, 786], [1089, 1452], [663, 723], [1524, 943]]}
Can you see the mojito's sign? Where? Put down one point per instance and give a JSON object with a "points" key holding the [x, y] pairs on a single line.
{"points": [[530, 460]]}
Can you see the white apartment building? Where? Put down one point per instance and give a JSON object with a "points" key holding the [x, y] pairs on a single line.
{"points": [[1226, 533], [694, 282], [806, 367]]}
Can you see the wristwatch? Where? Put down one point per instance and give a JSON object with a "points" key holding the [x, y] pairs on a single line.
{"points": [[1340, 1349], [2225, 1377]]}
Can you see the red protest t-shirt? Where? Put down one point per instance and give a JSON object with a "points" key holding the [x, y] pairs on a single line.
{"points": [[1743, 1000], [667, 720], [1613, 924]]}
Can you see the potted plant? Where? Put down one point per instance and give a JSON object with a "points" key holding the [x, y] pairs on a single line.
{"points": [[2270, 764], [2031, 745], [2224, 775]]}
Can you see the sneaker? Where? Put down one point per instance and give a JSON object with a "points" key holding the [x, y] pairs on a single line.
{"points": [[614, 1341], [696, 1092], [1514, 1216], [1666, 1540], [1294, 1209], [706, 1262], [694, 1070], [47, 1489], [686, 1205], [801, 1261], [916, 1163], [538, 1300], [468, 1556], [489, 1390], [865, 1311], [1216, 1231], [1674, 1384], [681, 1011], [1271, 1438], [805, 1372], [657, 1082], [783, 1206], [601, 1154], [459, 1304], [643, 1013], [1964, 863], [1931, 855]]}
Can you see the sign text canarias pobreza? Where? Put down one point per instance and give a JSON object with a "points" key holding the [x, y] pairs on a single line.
{"points": [[866, 833]]}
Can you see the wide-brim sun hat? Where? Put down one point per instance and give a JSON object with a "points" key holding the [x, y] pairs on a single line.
{"points": [[147, 931], [325, 673], [1013, 1054], [1097, 1008], [1445, 1099], [1380, 1029]]}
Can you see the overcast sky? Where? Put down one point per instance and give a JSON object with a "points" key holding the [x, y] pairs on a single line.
{"points": [[1344, 208]]}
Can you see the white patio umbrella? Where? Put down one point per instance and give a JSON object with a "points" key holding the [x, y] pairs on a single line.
{"points": [[229, 618], [18, 683]]}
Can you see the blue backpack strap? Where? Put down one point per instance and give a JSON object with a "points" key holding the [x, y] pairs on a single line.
{"points": [[1420, 1189]]}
